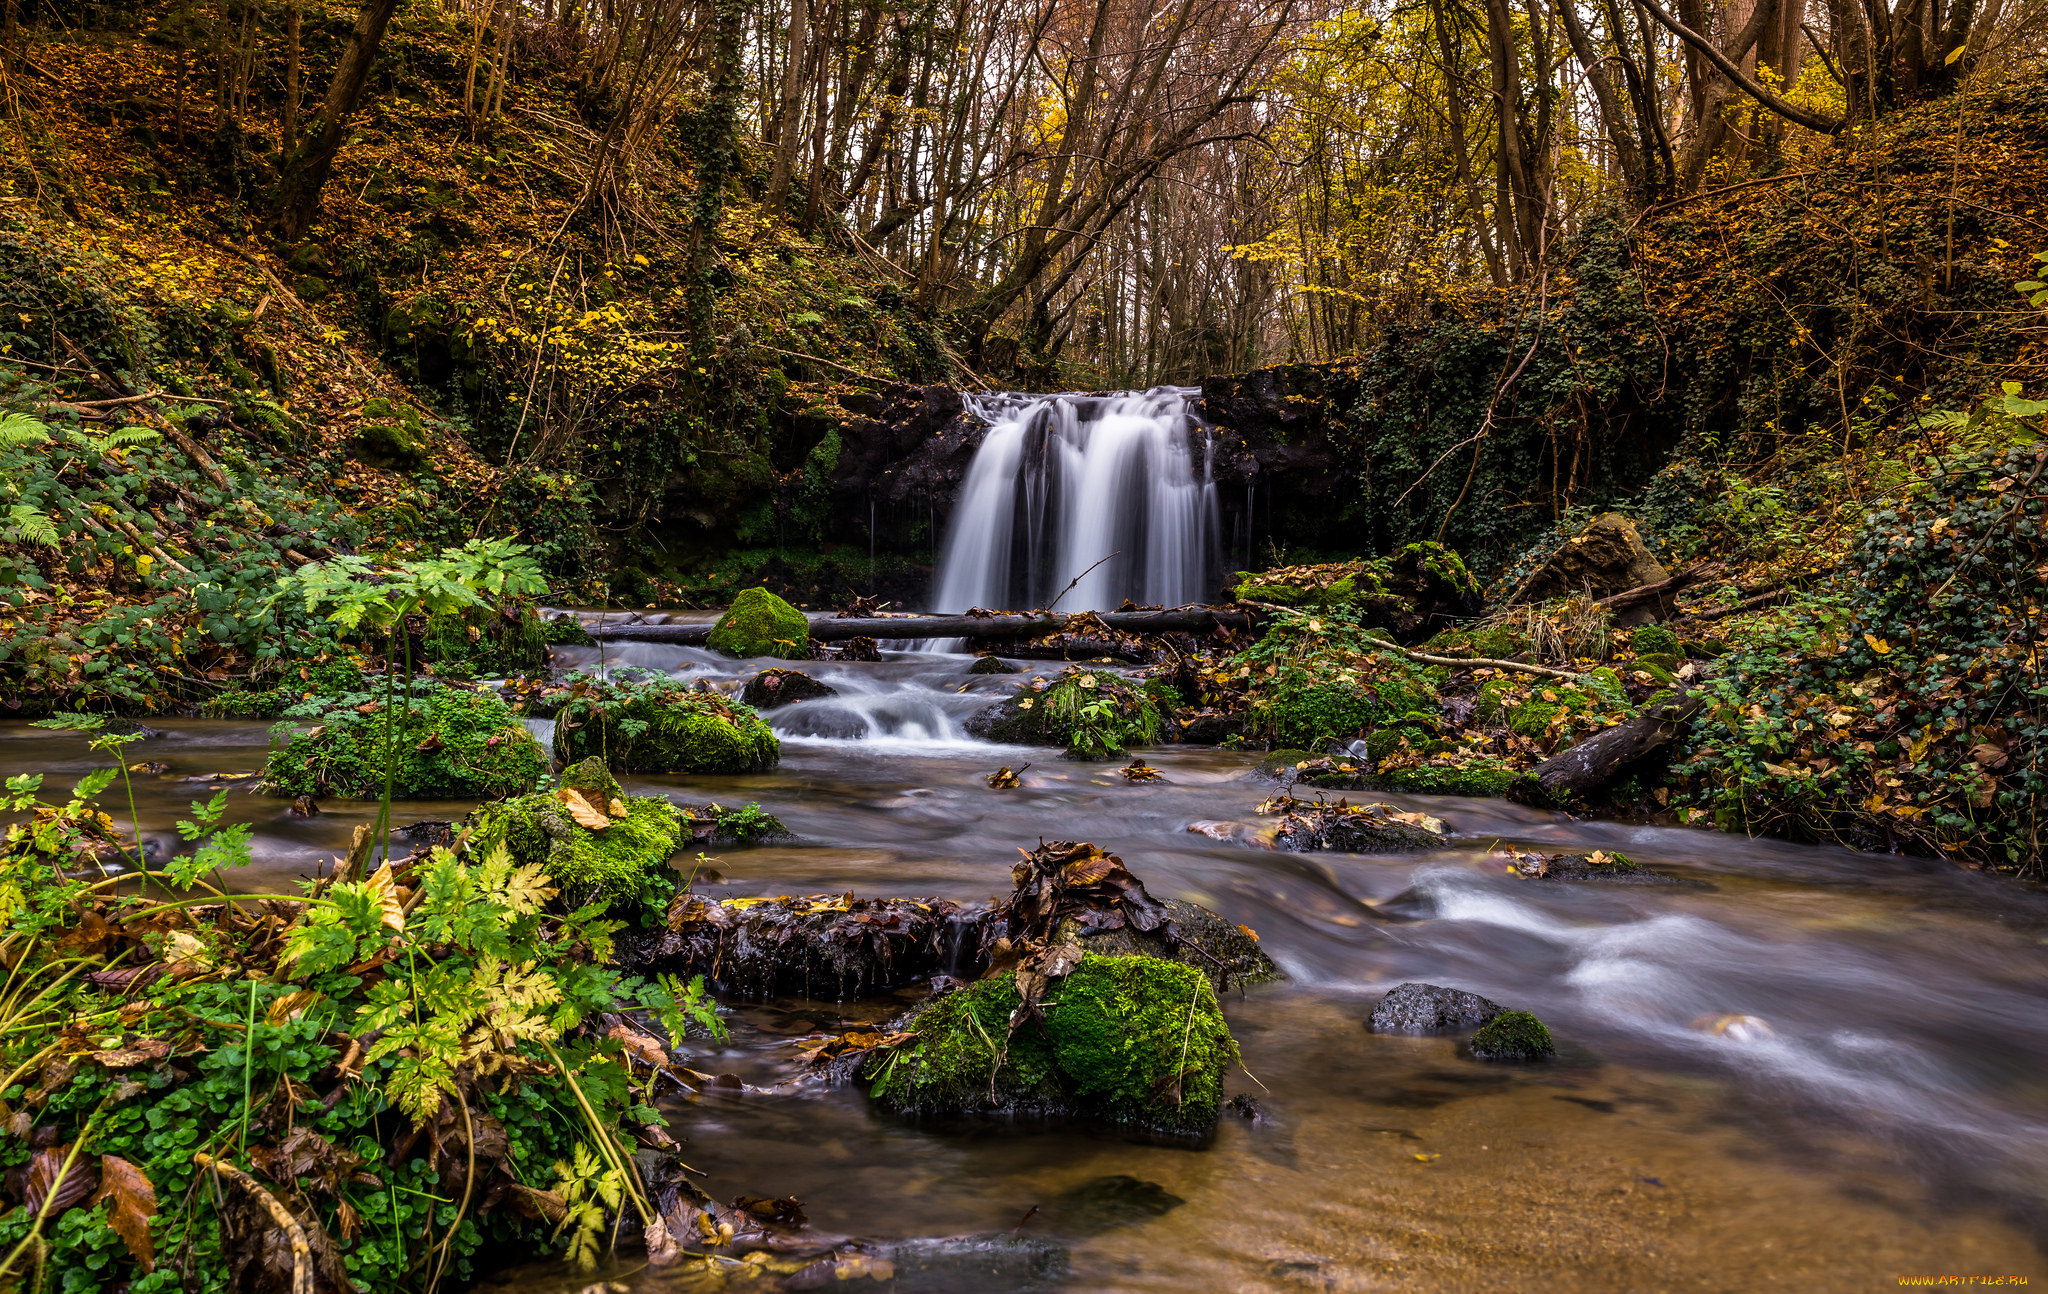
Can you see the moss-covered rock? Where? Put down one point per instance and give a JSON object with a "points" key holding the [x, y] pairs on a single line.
{"points": [[565, 631], [1480, 778], [1532, 718], [640, 834], [390, 435], [664, 726], [1200, 938], [761, 624], [445, 744], [1092, 713], [1133, 1041], [1513, 1035], [773, 687], [1655, 640]]}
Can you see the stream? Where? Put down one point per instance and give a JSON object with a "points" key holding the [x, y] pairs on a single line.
{"points": [[1813, 1070]]}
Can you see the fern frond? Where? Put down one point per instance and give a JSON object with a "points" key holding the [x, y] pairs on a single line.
{"points": [[31, 525], [19, 429]]}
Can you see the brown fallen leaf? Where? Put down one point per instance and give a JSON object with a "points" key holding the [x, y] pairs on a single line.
{"points": [[582, 810], [385, 887], [133, 1205]]}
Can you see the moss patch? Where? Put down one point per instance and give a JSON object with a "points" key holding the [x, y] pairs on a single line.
{"points": [[761, 624], [1133, 1041], [1094, 714], [664, 727], [447, 744], [617, 860], [1513, 1035], [480, 642]]}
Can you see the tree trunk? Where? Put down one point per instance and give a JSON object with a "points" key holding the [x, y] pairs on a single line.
{"points": [[291, 75], [1608, 756], [1001, 626], [312, 161], [789, 111]]}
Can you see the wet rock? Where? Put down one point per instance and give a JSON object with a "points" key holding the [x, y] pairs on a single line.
{"points": [[1513, 1035], [1607, 557], [1349, 828], [773, 687], [1135, 1042], [1193, 936], [1430, 1008], [993, 665], [1105, 1203], [1210, 727], [862, 648], [761, 624], [1246, 1107], [1598, 866], [304, 807], [830, 946]]}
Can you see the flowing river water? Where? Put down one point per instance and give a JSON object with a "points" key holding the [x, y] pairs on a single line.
{"points": [[1882, 1111]]}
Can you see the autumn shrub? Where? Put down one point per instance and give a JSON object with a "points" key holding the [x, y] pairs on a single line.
{"points": [[1907, 707]]}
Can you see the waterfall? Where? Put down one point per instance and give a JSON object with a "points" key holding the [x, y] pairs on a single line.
{"points": [[1062, 482]]}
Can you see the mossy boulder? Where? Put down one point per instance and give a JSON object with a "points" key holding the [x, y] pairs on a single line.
{"points": [[1316, 706], [664, 726], [760, 624], [445, 744], [1655, 640], [1227, 953], [640, 833], [1092, 713], [1132, 1041], [1513, 1035], [391, 436]]}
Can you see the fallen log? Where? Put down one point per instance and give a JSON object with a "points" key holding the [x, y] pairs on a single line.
{"points": [[1607, 756], [999, 626], [1660, 589]]}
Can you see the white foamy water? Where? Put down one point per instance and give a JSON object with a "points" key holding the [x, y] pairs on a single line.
{"points": [[1063, 482]]}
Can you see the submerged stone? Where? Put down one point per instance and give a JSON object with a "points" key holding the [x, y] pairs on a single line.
{"points": [[1513, 1035], [663, 726], [761, 624], [773, 687], [1430, 1008], [1133, 1041]]}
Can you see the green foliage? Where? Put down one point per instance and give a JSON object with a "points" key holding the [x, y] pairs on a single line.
{"points": [[627, 860], [761, 624], [510, 640], [1093, 714], [1135, 1041], [1908, 707], [663, 726], [445, 743], [1513, 1035], [1314, 680]]}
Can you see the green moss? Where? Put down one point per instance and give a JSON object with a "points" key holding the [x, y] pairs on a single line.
{"points": [[566, 631], [1095, 715], [1135, 1041], [391, 436], [665, 727], [1532, 718], [618, 861], [1655, 640], [761, 624], [1513, 1035], [447, 745], [1481, 779], [480, 642]]}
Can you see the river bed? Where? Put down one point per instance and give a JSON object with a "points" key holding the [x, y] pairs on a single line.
{"points": [[1813, 1070]]}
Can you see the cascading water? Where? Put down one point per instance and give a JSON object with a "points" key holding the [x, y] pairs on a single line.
{"points": [[1062, 482]]}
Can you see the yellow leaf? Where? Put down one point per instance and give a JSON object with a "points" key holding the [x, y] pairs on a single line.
{"points": [[385, 887], [291, 1006], [1878, 645], [585, 813], [1953, 55]]}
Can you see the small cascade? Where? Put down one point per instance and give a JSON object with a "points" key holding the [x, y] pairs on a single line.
{"points": [[1063, 482]]}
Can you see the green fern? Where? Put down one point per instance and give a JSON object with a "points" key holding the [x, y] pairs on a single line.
{"points": [[29, 525], [17, 429]]}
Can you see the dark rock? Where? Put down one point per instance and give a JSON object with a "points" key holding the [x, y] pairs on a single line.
{"points": [[1194, 936], [1208, 729], [304, 807], [773, 687], [1605, 558], [1350, 828], [1247, 1107], [826, 946], [993, 665], [1601, 867], [1105, 1203], [858, 649], [1430, 1008]]}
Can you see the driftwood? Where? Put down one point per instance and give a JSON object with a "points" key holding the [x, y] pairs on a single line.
{"points": [[1645, 592], [1001, 625], [1607, 756]]}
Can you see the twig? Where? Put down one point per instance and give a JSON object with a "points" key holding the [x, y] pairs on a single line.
{"points": [[1071, 583], [302, 1251], [1455, 662], [816, 359]]}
